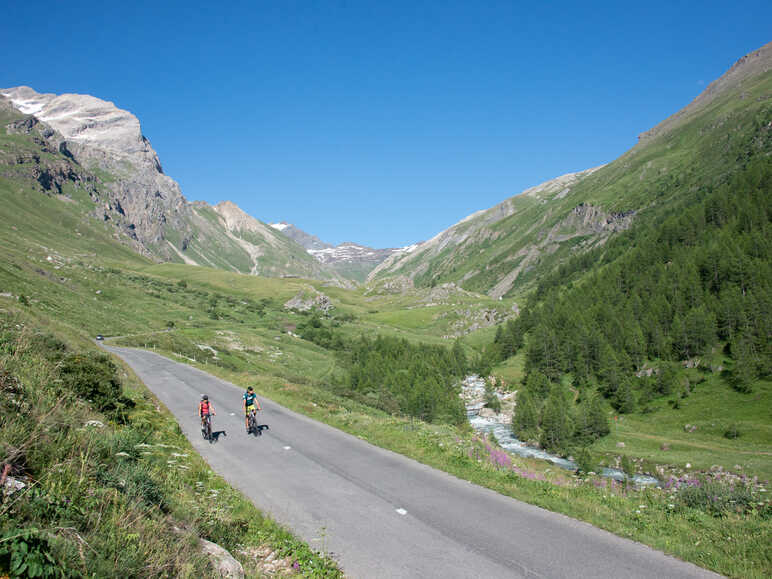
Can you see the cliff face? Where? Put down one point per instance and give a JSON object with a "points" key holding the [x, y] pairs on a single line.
{"points": [[102, 137], [106, 143]]}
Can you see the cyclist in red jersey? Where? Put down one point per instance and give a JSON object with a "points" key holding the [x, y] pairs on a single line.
{"points": [[205, 408]]}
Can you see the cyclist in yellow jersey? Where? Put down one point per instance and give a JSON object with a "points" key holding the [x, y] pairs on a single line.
{"points": [[249, 403]]}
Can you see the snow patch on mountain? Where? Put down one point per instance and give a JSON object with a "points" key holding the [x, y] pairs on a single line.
{"points": [[348, 252]]}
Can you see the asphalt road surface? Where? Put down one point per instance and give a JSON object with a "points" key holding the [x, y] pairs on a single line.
{"points": [[381, 514]]}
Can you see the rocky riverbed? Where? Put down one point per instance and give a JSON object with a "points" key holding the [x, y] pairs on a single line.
{"points": [[499, 426]]}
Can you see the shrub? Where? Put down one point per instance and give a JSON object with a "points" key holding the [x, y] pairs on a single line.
{"points": [[93, 377], [626, 465], [715, 497], [732, 432], [584, 461], [51, 347], [27, 553]]}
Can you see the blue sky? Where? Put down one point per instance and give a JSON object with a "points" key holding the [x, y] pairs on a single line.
{"points": [[380, 122]]}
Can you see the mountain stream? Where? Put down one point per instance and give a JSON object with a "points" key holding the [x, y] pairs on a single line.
{"points": [[473, 391]]}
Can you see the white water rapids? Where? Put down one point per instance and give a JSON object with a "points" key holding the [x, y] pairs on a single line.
{"points": [[473, 389]]}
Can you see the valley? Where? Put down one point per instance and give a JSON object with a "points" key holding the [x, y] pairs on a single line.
{"points": [[624, 309]]}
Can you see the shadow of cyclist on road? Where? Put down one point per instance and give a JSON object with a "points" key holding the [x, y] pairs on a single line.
{"points": [[216, 435]]}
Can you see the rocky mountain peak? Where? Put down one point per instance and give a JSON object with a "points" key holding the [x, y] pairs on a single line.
{"points": [[237, 220], [124, 176], [99, 135], [88, 120], [473, 227], [306, 240], [351, 259]]}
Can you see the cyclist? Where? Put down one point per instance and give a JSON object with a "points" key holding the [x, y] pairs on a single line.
{"points": [[249, 402], [205, 408]]}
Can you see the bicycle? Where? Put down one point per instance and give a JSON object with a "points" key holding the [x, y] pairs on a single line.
{"points": [[252, 420], [206, 428]]}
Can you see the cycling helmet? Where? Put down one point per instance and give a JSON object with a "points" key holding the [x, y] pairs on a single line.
{"points": [[204, 397]]}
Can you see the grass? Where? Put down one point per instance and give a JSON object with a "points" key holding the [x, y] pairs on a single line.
{"points": [[695, 432], [109, 498], [512, 370], [658, 518], [77, 281], [138, 299]]}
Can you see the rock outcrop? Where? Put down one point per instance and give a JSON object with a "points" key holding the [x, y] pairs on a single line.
{"points": [[98, 147], [310, 299], [99, 135], [225, 564], [474, 229]]}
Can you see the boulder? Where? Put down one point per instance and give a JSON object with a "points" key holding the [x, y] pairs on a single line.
{"points": [[224, 563], [309, 299]]}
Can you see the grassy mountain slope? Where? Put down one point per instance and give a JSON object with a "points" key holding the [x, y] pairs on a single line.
{"points": [[143, 206], [235, 325], [62, 267], [104, 491], [502, 251]]}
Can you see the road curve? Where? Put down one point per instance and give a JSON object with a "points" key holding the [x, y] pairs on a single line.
{"points": [[381, 514]]}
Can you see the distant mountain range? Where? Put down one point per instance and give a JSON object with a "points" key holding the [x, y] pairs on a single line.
{"points": [[154, 216], [351, 260], [63, 143]]}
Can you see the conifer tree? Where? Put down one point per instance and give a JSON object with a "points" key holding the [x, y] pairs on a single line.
{"points": [[624, 398], [525, 420], [538, 385], [556, 422], [459, 357], [744, 367], [591, 419]]}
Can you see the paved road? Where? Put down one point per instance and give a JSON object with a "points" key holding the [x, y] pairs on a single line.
{"points": [[379, 513]]}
